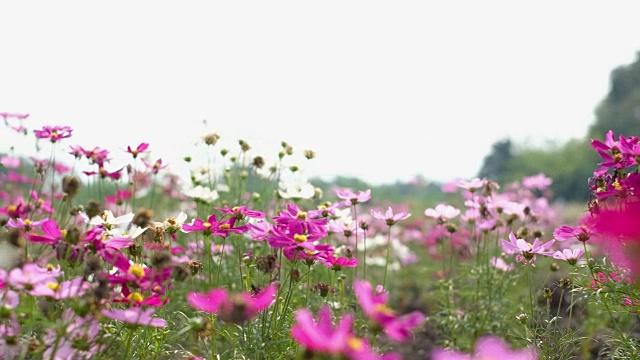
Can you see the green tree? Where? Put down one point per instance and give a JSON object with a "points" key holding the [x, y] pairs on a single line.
{"points": [[495, 164], [620, 109]]}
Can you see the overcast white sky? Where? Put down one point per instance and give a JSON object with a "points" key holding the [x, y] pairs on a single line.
{"points": [[379, 90]]}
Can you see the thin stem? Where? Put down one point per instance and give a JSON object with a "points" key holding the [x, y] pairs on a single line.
{"points": [[386, 264]]}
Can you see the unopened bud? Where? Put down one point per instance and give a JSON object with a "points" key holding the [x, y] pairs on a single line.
{"points": [[523, 318]]}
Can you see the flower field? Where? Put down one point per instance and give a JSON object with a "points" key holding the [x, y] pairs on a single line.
{"points": [[249, 260]]}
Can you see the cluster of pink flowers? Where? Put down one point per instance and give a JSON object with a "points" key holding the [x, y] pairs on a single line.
{"points": [[322, 337]]}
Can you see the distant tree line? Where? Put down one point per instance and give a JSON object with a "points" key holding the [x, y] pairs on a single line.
{"points": [[571, 164]]}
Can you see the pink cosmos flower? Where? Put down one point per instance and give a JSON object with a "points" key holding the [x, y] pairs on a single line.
{"points": [[569, 255], [119, 197], [136, 316], [53, 133], [525, 249], [52, 233], [500, 264], [138, 150], [321, 336], [102, 171], [539, 181], [41, 204], [334, 263], [31, 275], [375, 306], [620, 234], [78, 341], [351, 198], [154, 167], [389, 217], [233, 307], [65, 290], [260, 230], [582, 233], [212, 227], [442, 213], [8, 115], [241, 212], [487, 347], [26, 224], [10, 162]]}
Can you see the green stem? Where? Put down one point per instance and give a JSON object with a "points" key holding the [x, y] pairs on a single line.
{"points": [[386, 264]]}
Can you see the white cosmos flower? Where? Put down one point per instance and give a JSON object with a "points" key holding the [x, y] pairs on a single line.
{"points": [[203, 193], [108, 220], [294, 185]]}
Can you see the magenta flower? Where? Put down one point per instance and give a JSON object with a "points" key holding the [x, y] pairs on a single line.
{"points": [[213, 227], [52, 233], [138, 150], [375, 306], [487, 347], [334, 263], [119, 197], [235, 307], [321, 336], [241, 212], [25, 224], [53, 133], [389, 217], [619, 234], [136, 316], [582, 233], [41, 204]]}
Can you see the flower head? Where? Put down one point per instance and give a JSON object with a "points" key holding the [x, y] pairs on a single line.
{"points": [[374, 304], [389, 217], [321, 336], [233, 307], [53, 133], [136, 316], [138, 150], [487, 347]]}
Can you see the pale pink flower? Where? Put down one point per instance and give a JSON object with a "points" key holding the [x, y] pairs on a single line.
{"points": [[487, 347], [136, 316], [389, 217], [442, 213]]}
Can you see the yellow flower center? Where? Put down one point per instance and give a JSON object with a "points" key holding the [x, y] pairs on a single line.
{"points": [[354, 343], [27, 222], [135, 297], [12, 208], [616, 185], [206, 224], [235, 209], [53, 286], [50, 267], [299, 238], [384, 309], [225, 227], [302, 215], [136, 270]]}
